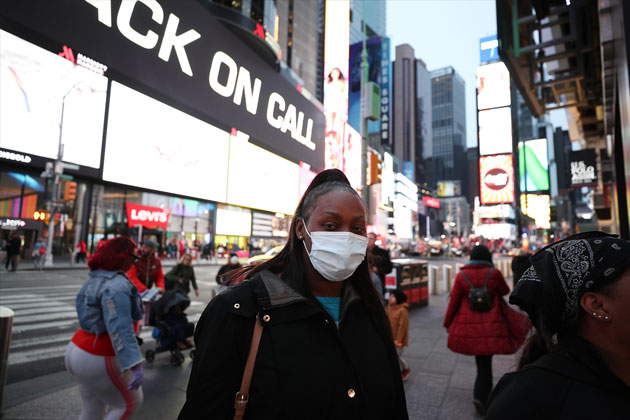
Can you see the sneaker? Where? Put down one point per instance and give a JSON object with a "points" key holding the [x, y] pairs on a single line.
{"points": [[481, 408], [405, 374]]}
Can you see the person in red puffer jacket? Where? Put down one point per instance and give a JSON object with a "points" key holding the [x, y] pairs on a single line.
{"points": [[479, 334]]}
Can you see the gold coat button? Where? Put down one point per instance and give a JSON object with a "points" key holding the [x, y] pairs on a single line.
{"points": [[266, 318], [351, 393]]}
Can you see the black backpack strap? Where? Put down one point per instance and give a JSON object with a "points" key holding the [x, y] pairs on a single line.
{"points": [[466, 278], [485, 283]]}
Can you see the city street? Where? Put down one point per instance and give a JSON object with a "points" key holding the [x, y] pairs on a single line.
{"points": [[39, 387]]}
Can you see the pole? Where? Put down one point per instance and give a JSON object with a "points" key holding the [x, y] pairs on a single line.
{"points": [[364, 128]]}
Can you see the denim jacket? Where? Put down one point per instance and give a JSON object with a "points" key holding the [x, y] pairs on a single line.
{"points": [[109, 303]]}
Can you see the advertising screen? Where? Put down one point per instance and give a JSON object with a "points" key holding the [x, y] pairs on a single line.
{"points": [[449, 188], [237, 222], [306, 177], [34, 85], [583, 168], [352, 156], [261, 180], [374, 51], [488, 49], [533, 165], [537, 206], [493, 86], [495, 131], [496, 176], [152, 145]]}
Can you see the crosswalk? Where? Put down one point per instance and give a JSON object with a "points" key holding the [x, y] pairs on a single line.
{"points": [[45, 320]]}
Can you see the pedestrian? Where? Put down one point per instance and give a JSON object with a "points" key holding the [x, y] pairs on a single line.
{"points": [[13, 248], [326, 350], [576, 365], [81, 252], [478, 321], [39, 254], [147, 272], [398, 314], [182, 276], [376, 280], [231, 265], [103, 355], [382, 261], [520, 263]]}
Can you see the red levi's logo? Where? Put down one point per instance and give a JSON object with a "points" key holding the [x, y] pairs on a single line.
{"points": [[149, 217]]}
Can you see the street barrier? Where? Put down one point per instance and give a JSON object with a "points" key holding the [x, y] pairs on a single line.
{"points": [[6, 322], [447, 271], [505, 268], [434, 279]]}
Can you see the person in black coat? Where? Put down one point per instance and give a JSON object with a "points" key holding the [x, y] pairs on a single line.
{"points": [[381, 259], [326, 350], [577, 364]]}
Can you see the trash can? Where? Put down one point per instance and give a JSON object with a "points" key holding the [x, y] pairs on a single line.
{"points": [[412, 277], [6, 322]]}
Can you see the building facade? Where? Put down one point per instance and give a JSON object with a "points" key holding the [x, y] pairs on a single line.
{"points": [[375, 19], [424, 126], [404, 110]]}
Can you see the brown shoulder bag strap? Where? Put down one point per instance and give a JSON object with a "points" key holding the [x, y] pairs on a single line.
{"points": [[242, 396]]}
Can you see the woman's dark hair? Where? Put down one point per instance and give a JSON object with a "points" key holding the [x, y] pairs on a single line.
{"points": [[481, 252], [112, 254], [341, 76], [290, 261], [400, 296]]}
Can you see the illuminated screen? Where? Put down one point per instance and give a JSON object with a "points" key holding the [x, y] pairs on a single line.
{"points": [[449, 188], [493, 86], [533, 165], [374, 52], [33, 83], [262, 180], [234, 222], [352, 156], [306, 177], [496, 176], [336, 56], [152, 145], [537, 206], [495, 131]]}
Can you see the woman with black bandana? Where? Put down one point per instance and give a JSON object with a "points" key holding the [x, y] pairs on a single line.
{"points": [[577, 364]]}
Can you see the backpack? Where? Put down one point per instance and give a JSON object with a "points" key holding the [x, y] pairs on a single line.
{"points": [[480, 298]]}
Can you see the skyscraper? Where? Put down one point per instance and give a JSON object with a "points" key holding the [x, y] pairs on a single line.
{"points": [[424, 126], [375, 19], [404, 112]]}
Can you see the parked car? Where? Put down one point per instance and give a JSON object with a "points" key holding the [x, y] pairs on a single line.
{"points": [[266, 256]]}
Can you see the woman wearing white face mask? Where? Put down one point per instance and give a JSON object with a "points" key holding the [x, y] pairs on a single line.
{"points": [[325, 349]]}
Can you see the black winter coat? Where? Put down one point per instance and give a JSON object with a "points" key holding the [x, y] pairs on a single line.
{"points": [[306, 367], [571, 383]]}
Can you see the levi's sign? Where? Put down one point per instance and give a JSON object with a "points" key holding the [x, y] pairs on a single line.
{"points": [[149, 217], [182, 52]]}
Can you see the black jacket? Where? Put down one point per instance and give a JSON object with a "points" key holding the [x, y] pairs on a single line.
{"points": [[306, 368], [570, 383]]}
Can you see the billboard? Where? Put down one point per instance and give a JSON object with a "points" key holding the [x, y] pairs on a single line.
{"points": [[496, 176], [495, 131], [196, 63], [493, 86], [152, 145], [352, 156], [149, 217], [533, 163], [233, 221], [488, 49], [583, 168], [374, 54], [538, 207], [386, 89], [449, 188], [34, 86]]}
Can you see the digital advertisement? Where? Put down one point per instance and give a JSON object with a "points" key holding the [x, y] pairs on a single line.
{"points": [[533, 164], [493, 86], [374, 51], [233, 221], [449, 188], [495, 131], [537, 206], [496, 176], [583, 168]]}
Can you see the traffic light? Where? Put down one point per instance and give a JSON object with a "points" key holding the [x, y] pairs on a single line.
{"points": [[70, 191], [39, 215], [375, 166]]}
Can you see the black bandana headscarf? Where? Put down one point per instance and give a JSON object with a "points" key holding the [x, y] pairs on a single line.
{"points": [[561, 272]]}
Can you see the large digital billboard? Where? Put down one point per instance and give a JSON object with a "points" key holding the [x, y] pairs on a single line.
{"points": [[374, 53], [152, 145], [449, 188], [34, 87], [495, 131], [493, 86], [533, 165], [197, 64], [488, 49], [496, 176], [537, 206], [583, 168]]}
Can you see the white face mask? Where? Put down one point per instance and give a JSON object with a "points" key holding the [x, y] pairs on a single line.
{"points": [[234, 260], [336, 255]]}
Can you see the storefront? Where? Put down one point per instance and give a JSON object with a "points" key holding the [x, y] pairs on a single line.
{"points": [[212, 131]]}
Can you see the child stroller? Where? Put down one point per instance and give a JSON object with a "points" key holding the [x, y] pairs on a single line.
{"points": [[171, 327]]}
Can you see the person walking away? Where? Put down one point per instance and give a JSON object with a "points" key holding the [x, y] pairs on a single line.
{"points": [[576, 365], [39, 254], [398, 314], [81, 250], [13, 248], [232, 264], [476, 322], [182, 276], [376, 280], [322, 347], [147, 270], [103, 355], [382, 261]]}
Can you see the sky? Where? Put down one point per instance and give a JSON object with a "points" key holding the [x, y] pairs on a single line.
{"points": [[445, 33]]}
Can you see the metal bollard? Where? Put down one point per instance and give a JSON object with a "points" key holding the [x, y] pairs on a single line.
{"points": [[448, 276], [434, 278], [6, 322]]}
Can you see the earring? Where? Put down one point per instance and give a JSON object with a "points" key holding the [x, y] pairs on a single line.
{"points": [[606, 317], [594, 313]]}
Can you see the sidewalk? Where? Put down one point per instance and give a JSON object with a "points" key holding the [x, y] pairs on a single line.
{"points": [[439, 387], [63, 263]]}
